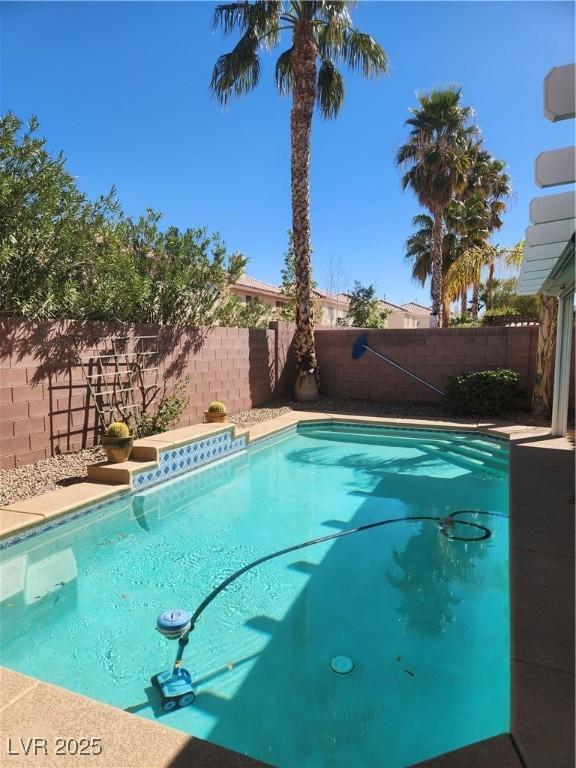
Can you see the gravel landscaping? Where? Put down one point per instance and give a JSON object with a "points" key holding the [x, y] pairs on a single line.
{"points": [[54, 473], [367, 408], [46, 475]]}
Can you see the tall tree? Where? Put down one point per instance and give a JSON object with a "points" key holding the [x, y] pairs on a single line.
{"points": [[364, 309], [468, 222], [436, 158], [321, 35], [487, 188], [65, 256], [336, 282], [466, 270], [419, 249], [510, 259]]}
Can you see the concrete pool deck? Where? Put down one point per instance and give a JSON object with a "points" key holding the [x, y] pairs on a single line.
{"points": [[542, 600]]}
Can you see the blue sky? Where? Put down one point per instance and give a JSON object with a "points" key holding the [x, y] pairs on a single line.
{"points": [[122, 89]]}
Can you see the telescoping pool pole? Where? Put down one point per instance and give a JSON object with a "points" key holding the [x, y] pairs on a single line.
{"points": [[361, 345]]}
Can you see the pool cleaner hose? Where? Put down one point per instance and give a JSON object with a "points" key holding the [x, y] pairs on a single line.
{"points": [[447, 527]]}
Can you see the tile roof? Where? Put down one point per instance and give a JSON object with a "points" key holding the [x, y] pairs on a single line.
{"points": [[341, 298], [251, 284], [389, 305], [244, 281], [417, 309]]}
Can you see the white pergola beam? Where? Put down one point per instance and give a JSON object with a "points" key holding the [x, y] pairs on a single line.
{"points": [[551, 232], [553, 207], [529, 266], [530, 281], [538, 277], [536, 270], [548, 251], [558, 166], [559, 93], [533, 286]]}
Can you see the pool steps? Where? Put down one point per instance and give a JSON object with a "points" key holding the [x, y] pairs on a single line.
{"points": [[474, 454]]}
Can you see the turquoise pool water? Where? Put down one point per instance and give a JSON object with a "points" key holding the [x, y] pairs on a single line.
{"points": [[425, 619]]}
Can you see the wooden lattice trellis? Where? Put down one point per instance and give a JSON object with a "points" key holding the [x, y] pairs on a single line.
{"points": [[122, 377]]}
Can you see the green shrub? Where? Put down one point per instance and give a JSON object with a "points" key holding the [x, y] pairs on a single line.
{"points": [[484, 393], [168, 413], [61, 254], [217, 407], [490, 314], [118, 429], [466, 320]]}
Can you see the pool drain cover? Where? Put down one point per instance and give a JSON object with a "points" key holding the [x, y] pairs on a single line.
{"points": [[342, 665]]}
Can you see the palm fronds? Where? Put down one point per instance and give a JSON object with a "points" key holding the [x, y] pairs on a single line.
{"points": [[330, 89], [261, 23], [259, 16], [361, 52], [237, 72], [283, 72]]}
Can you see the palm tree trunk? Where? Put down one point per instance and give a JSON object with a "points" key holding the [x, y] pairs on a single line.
{"points": [[437, 235], [490, 284], [463, 302], [303, 61], [445, 314], [542, 394], [475, 303]]}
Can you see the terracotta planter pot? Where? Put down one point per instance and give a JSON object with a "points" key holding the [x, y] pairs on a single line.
{"points": [[117, 448], [306, 388], [213, 417]]}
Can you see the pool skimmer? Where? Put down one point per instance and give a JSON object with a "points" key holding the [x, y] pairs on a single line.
{"points": [[342, 665]]}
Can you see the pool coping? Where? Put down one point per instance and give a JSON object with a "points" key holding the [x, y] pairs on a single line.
{"points": [[32, 708]]}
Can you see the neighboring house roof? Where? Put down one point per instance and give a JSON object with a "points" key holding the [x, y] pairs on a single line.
{"points": [[391, 307], [256, 285], [416, 309], [336, 298], [259, 286], [341, 299]]}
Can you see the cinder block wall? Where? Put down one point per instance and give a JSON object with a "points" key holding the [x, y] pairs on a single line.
{"points": [[45, 404], [433, 354], [46, 408]]}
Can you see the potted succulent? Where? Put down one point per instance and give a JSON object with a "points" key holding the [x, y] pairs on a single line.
{"points": [[216, 413], [117, 442]]}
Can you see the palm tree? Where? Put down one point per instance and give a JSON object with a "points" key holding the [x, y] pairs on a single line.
{"points": [[471, 225], [489, 185], [508, 257], [468, 222], [463, 229], [321, 36], [419, 248], [437, 162], [464, 271]]}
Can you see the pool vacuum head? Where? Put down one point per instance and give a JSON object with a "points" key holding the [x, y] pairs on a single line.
{"points": [[175, 685]]}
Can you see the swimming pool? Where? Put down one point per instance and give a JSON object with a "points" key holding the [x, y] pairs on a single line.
{"points": [[424, 619]]}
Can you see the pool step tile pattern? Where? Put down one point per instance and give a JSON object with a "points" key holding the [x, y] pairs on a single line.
{"points": [[190, 456]]}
